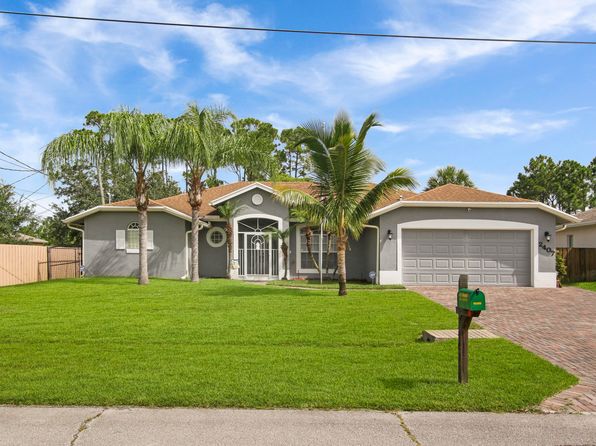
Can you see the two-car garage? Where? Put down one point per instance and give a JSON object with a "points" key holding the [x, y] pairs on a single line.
{"points": [[489, 257]]}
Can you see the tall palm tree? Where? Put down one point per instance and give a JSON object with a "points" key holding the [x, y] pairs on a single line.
{"points": [[282, 235], [342, 172], [228, 211], [134, 138], [449, 175], [199, 140]]}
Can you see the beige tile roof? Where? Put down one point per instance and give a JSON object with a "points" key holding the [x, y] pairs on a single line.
{"points": [[589, 215], [449, 192], [452, 192]]}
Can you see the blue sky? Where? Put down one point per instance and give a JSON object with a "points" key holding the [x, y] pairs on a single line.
{"points": [[484, 107]]}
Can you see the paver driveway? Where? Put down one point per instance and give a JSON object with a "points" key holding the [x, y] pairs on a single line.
{"points": [[557, 324]]}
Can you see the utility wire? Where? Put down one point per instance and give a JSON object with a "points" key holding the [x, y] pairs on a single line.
{"points": [[15, 170], [298, 31], [24, 178], [21, 162]]}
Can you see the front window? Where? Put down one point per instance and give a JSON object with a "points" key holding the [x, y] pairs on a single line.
{"points": [[329, 254], [570, 241], [132, 236]]}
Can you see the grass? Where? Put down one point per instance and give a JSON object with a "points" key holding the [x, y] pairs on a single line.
{"points": [[332, 285], [591, 286], [230, 344]]}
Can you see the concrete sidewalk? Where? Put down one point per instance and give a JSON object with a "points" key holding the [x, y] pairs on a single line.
{"points": [[143, 426]]}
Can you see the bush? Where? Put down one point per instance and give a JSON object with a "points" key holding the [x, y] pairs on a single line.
{"points": [[561, 268]]}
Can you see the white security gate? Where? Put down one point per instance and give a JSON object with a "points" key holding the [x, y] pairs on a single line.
{"points": [[438, 257], [258, 249], [258, 255]]}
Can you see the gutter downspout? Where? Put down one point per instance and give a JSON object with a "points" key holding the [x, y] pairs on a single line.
{"points": [[377, 259], [82, 231]]}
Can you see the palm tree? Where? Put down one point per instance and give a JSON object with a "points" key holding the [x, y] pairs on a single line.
{"points": [[342, 171], [199, 140], [134, 138], [228, 211], [449, 175], [282, 235]]}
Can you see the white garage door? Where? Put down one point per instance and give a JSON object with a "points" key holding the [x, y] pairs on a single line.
{"points": [[438, 257]]}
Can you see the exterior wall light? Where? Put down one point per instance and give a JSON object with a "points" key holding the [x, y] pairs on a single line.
{"points": [[547, 236], [389, 234]]}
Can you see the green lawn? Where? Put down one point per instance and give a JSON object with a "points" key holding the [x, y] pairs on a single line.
{"points": [[333, 285], [231, 344], [591, 286]]}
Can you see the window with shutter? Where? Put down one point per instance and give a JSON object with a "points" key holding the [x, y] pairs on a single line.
{"points": [[120, 239]]}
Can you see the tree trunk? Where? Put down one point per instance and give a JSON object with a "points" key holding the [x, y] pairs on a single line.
{"points": [[194, 245], [284, 251], [142, 202], [341, 264], [100, 181], [230, 242], [195, 199], [143, 271]]}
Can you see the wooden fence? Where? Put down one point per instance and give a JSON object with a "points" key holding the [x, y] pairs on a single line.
{"points": [[581, 263], [26, 263]]}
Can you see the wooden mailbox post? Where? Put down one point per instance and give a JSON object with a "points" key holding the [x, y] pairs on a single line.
{"points": [[469, 304]]}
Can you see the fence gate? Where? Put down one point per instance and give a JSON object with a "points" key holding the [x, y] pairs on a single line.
{"points": [[64, 263]]}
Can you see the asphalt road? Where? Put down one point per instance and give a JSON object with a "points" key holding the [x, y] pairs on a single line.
{"points": [[86, 426]]}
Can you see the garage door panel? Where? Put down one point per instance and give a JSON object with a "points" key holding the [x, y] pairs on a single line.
{"points": [[474, 264], [488, 257], [425, 264]]}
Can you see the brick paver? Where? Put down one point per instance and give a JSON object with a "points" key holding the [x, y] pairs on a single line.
{"points": [[557, 324]]}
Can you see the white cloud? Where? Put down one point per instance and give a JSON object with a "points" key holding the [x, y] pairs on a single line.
{"points": [[490, 123], [392, 128], [412, 162], [218, 99], [278, 122]]}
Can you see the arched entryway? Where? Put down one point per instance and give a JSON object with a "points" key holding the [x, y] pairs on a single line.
{"points": [[258, 249]]}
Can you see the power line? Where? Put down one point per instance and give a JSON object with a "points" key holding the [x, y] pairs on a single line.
{"points": [[299, 31], [24, 178], [34, 192], [15, 170], [22, 163]]}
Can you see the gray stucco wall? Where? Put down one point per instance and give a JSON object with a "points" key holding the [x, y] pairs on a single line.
{"points": [[269, 206], [167, 259], [390, 220], [212, 261], [360, 257]]}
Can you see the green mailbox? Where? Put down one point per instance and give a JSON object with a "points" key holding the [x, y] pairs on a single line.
{"points": [[472, 300]]}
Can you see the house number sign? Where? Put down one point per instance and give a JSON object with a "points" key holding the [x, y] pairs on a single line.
{"points": [[548, 249]]}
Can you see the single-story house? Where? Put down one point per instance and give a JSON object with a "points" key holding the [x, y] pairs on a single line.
{"points": [[427, 238], [578, 235]]}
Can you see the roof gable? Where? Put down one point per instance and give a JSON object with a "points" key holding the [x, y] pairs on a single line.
{"points": [[454, 192]]}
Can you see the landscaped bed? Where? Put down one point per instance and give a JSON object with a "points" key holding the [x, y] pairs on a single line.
{"points": [[230, 344]]}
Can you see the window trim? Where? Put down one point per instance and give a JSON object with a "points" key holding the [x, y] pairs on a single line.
{"points": [[299, 268], [570, 241], [220, 230]]}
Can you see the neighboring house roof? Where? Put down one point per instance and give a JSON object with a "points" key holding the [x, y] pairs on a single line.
{"points": [[586, 218], [449, 195], [30, 239]]}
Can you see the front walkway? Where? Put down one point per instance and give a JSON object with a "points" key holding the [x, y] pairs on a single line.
{"points": [[95, 426], [557, 324]]}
